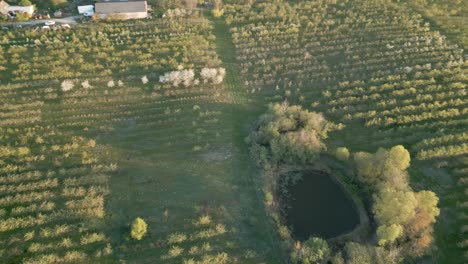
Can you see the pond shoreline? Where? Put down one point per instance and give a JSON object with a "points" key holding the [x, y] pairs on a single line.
{"points": [[341, 175]]}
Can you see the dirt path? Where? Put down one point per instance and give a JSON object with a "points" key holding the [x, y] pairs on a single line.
{"points": [[244, 114], [66, 20]]}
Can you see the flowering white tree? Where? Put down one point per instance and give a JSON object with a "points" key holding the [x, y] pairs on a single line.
{"points": [[110, 83], [67, 85], [215, 75], [180, 76], [144, 79], [86, 84], [187, 76]]}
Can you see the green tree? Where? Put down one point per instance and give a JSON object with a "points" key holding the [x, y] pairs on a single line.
{"points": [[24, 3], [420, 228], [427, 202], [342, 154], [217, 12], [388, 234], [399, 157], [139, 228], [58, 3], [365, 167], [385, 168], [314, 250], [290, 134], [21, 16], [358, 254], [394, 206]]}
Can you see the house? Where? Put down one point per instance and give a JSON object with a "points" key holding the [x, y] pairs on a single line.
{"points": [[7, 9], [122, 9], [86, 10]]}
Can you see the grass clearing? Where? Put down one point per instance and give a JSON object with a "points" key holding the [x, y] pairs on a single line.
{"points": [[179, 151]]}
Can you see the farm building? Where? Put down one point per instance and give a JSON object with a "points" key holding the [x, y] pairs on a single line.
{"points": [[86, 10], [7, 9], [122, 9]]}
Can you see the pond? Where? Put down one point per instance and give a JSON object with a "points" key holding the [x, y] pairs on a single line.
{"points": [[316, 205]]}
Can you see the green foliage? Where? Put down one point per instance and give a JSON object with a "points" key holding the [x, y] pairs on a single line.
{"points": [[394, 206], [268, 197], [290, 134], [342, 154], [58, 3], [24, 3], [385, 168], [400, 212], [314, 250], [337, 259], [139, 229], [22, 16], [427, 202], [399, 157], [176, 238], [388, 234], [358, 254], [217, 12]]}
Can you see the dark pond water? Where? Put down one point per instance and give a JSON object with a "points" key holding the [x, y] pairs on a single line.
{"points": [[318, 206]]}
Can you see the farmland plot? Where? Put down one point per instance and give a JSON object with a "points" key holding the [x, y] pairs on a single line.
{"points": [[379, 70], [109, 122]]}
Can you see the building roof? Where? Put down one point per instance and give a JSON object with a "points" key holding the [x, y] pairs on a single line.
{"points": [[22, 9], [120, 6], [86, 9], [4, 7]]}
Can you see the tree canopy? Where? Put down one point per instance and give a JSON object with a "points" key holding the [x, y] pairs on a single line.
{"points": [[385, 167], [314, 250], [139, 229], [399, 211], [24, 3], [290, 134]]}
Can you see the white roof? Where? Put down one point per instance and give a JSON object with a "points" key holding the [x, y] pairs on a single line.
{"points": [[86, 9], [23, 9]]}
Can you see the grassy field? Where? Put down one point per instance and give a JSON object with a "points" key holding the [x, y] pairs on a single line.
{"points": [[178, 154]]}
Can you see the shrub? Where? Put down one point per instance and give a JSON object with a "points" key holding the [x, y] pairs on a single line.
{"points": [[92, 238], [342, 154], [176, 238], [175, 251], [268, 197], [290, 134], [24, 3], [58, 3], [314, 250], [20, 16], [217, 12], [203, 220], [139, 229]]}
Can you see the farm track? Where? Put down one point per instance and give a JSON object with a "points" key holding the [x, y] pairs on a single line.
{"points": [[227, 52]]}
